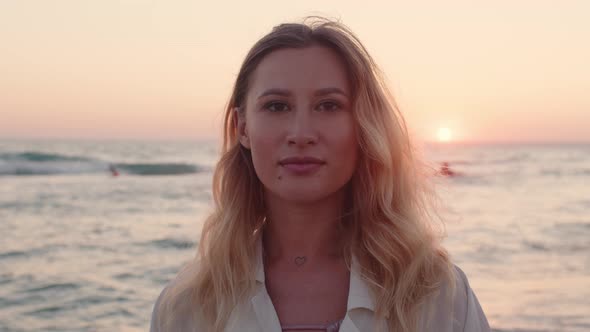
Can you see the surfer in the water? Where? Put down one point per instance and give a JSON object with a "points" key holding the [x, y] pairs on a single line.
{"points": [[113, 170], [445, 170]]}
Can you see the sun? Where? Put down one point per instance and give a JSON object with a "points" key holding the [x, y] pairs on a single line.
{"points": [[444, 134]]}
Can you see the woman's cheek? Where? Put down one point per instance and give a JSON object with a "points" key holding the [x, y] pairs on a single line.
{"points": [[264, 157]]}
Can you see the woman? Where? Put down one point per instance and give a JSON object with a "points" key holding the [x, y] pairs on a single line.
{"points": [[322, 218]]}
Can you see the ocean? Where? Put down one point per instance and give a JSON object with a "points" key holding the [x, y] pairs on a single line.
{"points": [[84, 250]]}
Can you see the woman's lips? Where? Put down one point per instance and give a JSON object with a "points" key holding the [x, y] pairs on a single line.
{"points": [[301, 165], [302, 168]]}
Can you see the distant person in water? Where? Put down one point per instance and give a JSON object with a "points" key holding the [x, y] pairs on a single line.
{"points": [[445, 170], [113, 170], [321, 214]]}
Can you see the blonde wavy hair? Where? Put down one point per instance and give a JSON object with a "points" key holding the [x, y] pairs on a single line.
{"points": [[391, 210]]}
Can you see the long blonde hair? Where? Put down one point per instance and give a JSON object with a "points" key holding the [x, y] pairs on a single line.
{"points": [[389, 218]]}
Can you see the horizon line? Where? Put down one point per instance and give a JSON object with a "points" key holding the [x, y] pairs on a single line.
{"points": [[213, 139]]}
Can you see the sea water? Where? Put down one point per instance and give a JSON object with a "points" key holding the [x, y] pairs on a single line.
{"points": [[90, 232]]}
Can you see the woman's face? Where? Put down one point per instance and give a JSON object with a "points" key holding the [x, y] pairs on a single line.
{"points": [[298, 124]]}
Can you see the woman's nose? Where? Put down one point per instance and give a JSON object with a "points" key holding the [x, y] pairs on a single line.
{"points": [[301, 129]]}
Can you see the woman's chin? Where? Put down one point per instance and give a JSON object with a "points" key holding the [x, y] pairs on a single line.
{"points": [[303, 195]]}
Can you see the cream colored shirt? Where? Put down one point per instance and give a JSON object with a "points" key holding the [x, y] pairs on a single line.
{"points": [[259, 314]]}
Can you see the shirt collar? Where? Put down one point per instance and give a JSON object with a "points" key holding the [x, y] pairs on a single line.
{"points": [[359, 293], [259, 261]]}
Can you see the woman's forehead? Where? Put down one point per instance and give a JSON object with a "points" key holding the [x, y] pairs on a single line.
{"points": [[297, 70]]}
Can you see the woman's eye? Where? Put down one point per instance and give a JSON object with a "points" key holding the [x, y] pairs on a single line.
{"points": [[329, 106], [276, 107]]}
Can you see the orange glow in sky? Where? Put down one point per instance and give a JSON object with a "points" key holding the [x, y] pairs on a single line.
{"points": [[498, 71]]}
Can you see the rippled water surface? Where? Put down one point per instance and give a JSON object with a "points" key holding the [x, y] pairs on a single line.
{"points": [[82, 250]]}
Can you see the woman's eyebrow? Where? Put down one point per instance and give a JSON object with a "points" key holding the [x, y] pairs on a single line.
{"points": [[327, 91], [287, 93], [280, 92]]}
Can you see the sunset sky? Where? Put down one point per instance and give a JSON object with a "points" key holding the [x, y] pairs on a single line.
{"points": [[501, 71]]}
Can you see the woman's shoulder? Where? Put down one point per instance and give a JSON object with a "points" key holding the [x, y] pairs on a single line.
{"points": [[156, 321], [467, 305], [173, 306], [455, 307], [167, 310]]}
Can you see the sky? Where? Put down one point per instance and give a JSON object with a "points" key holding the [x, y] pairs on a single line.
{"points": [[475, 71]]}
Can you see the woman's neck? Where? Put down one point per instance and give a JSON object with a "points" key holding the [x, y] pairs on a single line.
{"points": [[303, 230]]}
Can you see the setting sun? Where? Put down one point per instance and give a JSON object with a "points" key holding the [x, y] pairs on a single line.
{"points": [[444, 135]]}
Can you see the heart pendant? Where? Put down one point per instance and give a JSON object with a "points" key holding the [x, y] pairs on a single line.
{"points": [[300, 260]]}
